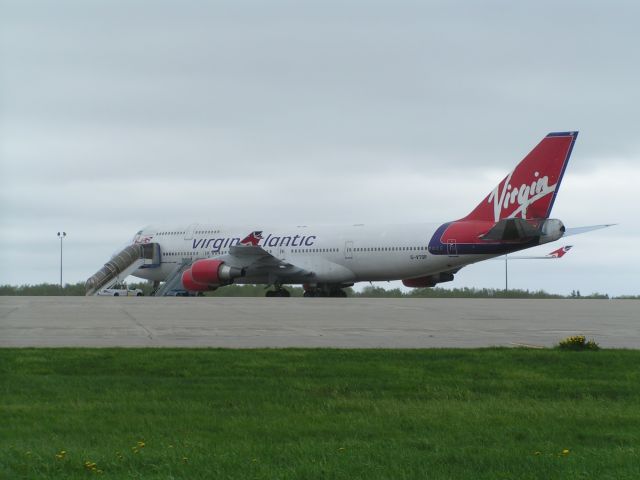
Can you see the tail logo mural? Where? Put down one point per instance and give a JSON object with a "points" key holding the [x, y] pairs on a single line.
{"points": [[530, 189], [524, 195]]}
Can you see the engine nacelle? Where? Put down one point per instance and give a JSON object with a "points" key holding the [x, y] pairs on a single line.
{"points": [[214, 272], [191, 285], [551, 230], [428, 281]]}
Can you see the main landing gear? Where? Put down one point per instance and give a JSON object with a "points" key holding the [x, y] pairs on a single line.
{"points": [[318, 290], [278, 292], [333, 291]]}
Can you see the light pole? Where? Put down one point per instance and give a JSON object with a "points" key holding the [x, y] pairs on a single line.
{"points": [[61, 236], [506, 275]]}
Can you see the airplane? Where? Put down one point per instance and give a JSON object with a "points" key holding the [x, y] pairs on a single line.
{"points": [[514, 216]]}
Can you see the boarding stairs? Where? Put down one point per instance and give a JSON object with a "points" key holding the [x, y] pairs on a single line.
{"points": [[123, 264], [174, 279]]}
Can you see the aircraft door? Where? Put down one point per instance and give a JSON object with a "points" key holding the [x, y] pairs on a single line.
{"points": [[452, 248], [348, 250], [188, 234]]}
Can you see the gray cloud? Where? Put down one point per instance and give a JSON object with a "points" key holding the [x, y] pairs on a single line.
{"points": [[119, 114]]}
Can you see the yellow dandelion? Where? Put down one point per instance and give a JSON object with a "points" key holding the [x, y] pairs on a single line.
{"points": [[565, 452]]}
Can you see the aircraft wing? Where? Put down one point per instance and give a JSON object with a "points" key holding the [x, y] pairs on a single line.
{"points": [[257, 260], [253, 262], [578, 230]]}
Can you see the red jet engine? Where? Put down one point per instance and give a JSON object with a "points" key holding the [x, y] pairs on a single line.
{"points": [[209, 274], [189, 284], [214, 272]]}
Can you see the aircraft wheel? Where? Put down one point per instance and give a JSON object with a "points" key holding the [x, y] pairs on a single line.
{"points": [[280, 292]]}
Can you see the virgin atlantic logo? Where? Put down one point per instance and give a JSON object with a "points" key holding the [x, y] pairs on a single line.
{"points": [[522, 196], [142, 240]]}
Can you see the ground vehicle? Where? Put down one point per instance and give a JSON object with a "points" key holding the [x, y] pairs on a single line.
{"points": [[178, 292], [121, 291]]}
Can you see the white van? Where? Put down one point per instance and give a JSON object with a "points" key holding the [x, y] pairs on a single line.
{"points": [[121, 291]]}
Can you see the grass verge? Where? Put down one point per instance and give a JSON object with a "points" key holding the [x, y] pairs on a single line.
{"points": [[335, 414]]}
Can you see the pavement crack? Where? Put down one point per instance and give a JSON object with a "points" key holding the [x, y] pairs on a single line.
{"points": [[137, 323], [6, 314]]}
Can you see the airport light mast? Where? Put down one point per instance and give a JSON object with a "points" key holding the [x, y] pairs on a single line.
{"points": [[506, 274], [61, 236]]}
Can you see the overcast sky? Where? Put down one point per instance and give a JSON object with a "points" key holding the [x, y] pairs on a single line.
{"points": [[118, 114]]}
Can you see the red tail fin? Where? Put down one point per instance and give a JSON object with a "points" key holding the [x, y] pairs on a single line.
{"points": [[530, 190]]}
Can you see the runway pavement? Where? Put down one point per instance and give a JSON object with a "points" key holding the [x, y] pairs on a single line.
{"points": [[311, 322]]}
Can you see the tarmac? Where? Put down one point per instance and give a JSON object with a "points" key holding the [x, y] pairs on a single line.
{"points": [[312, 322]]}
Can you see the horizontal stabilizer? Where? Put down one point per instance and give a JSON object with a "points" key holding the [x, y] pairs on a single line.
{"points": [[559, 253], [578, 230]]}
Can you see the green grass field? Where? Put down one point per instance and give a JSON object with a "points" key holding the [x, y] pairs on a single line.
{"points": [[307, 414]]}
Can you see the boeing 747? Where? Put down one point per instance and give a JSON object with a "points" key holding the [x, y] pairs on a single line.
{"points": [[325, 259]]}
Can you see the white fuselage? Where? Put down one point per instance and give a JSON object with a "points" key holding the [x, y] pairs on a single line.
{"points": [[335, 254]]}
